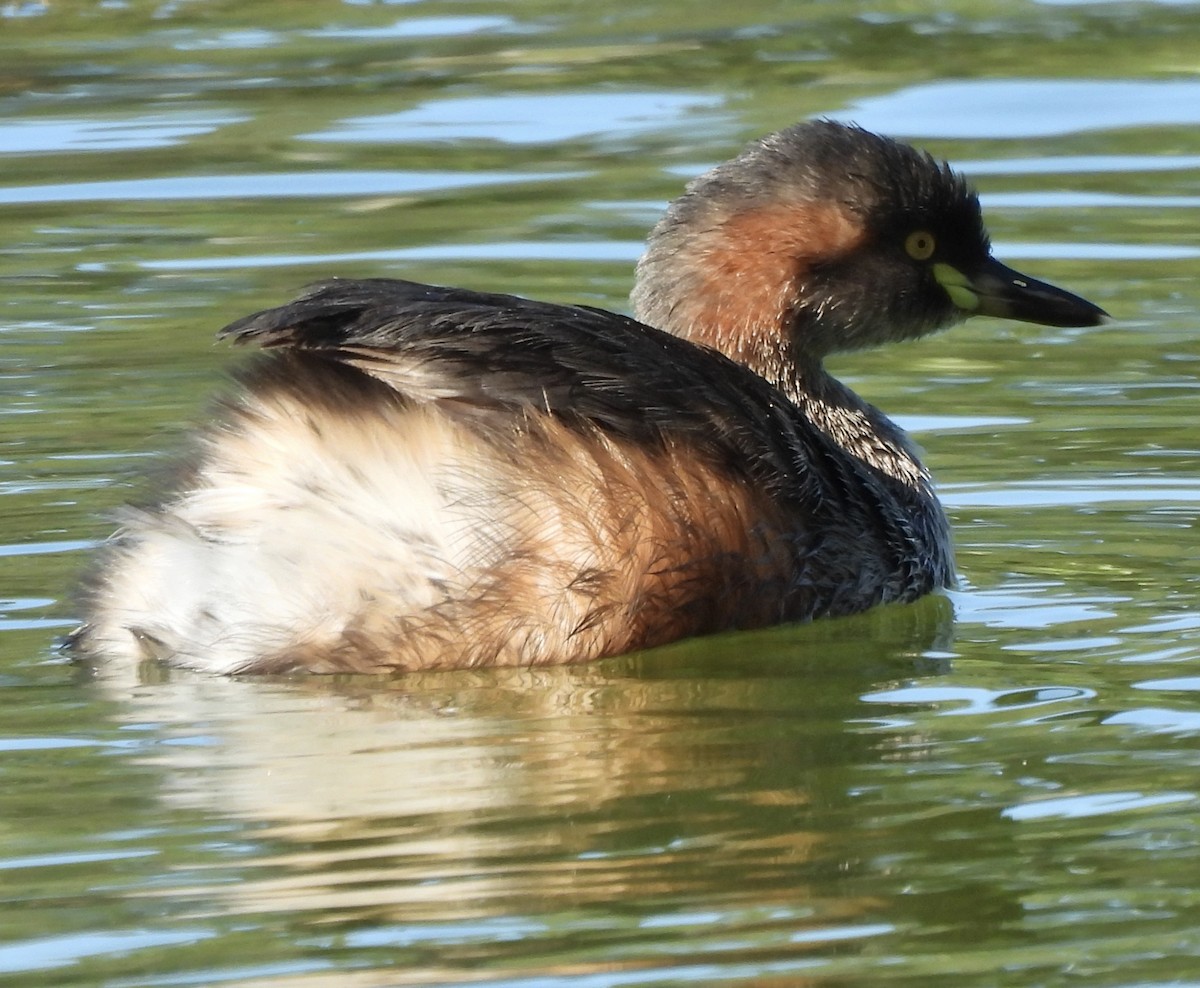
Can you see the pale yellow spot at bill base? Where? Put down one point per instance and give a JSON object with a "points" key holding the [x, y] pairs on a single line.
{"points": [[957, 286]]}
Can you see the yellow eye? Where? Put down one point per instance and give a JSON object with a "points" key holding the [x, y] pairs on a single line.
{"points": [[920, 245]]}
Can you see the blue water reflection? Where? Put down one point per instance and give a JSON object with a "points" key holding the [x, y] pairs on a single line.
{"points": [[76, 134], [524, 119], [1013, 108]]}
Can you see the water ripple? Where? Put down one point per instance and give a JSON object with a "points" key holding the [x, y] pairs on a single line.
{"points": [[1093, 804], [1080, 164], [1189, 684], [1064, 492], [1007, 108], [71, 134], [551, 250], [288, 185], [976, 700], [522, 119], [1158, 720], [49, 952], [420, 27]]}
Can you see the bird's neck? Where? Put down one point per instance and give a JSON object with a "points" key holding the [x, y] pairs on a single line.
{"points": [[733, 283], [759, 332], [755, 338], [855, 425], [730, 275]]}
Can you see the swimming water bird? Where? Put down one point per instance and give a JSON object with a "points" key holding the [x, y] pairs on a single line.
{"points": [[416, 477]]}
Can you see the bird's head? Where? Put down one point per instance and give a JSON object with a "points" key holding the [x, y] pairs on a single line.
{"points": [[825, 237]]}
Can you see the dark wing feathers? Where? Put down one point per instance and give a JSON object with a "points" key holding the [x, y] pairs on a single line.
{"points": [[575, 362]]}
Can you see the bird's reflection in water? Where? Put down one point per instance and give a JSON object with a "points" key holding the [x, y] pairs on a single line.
{"points": [[690, 773]]}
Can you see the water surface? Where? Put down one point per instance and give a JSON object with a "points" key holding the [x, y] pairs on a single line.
{"points": [[995, 786]]}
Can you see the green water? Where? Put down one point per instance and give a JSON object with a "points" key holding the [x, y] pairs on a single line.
{"points": [[995, 787]]}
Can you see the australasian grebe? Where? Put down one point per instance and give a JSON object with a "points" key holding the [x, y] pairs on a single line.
{"points": [[422, 477]]}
